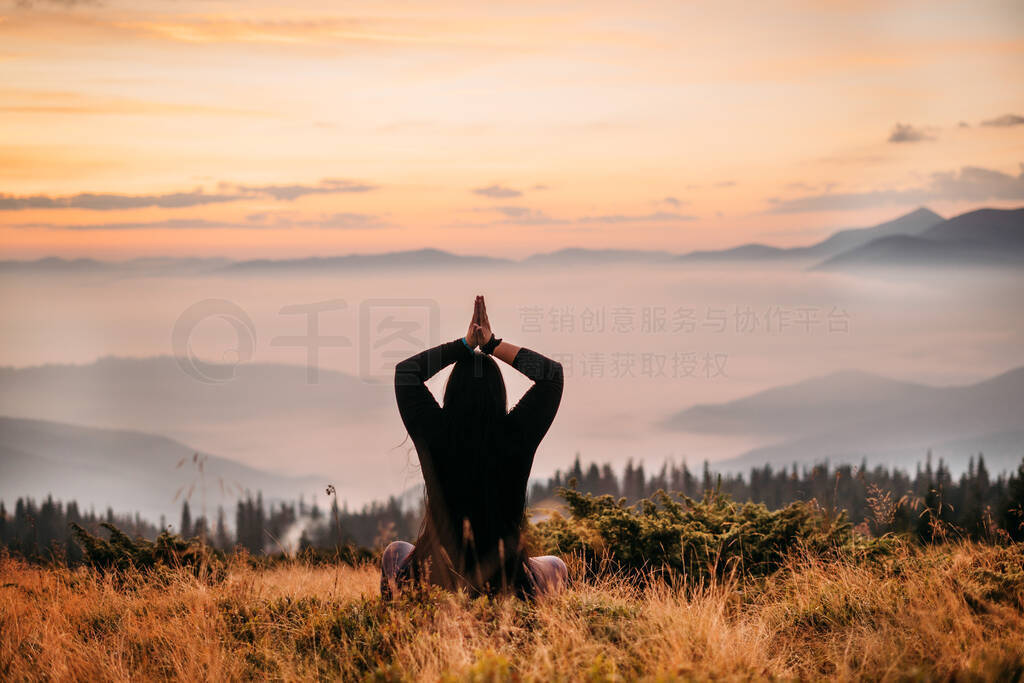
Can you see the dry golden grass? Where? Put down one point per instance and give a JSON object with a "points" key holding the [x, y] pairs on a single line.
{"points": [[952, 613]]}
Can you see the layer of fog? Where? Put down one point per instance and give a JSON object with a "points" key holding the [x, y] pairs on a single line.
{"points": [[941, 330]]}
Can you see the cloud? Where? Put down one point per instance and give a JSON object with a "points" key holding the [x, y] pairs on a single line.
{"points": [[258, 221], [349, 221], [1005, 121], [521, 215], [111, 202], [512, 211], [171, 224], [512, 215], [726, 183], [904, 132], [227, 192], [60, 3], [292, 192], [673, 202], [970, 184], [332, 221], [497, 192], [656, 217], [807, 187]]}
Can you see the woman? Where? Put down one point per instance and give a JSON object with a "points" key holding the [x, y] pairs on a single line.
{"points": [[476, 457]]}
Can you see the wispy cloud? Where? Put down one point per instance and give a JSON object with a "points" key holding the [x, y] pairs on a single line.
{"points": [[1005, 121], [904, 132], [521, 215], [227, 192], [346, 221], [674, 202], [971, 183], [293, 192], [497, 192], [655, 217], [111, 202], [330, 221], [56, 3], [171, 224], [266, 221]]}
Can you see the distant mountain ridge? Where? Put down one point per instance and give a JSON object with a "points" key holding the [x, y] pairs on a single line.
{"points": [[268, 414], [577, 255], [137, 266], [419, 258], [913, 223], [140, 471], [921, 237], [986, 237], [853, 415]]}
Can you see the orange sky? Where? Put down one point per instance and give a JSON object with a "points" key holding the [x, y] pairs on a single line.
{"points": [[251, 129]]}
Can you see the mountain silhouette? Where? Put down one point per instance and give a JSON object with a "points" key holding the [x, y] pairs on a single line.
{"points": [[266, 414], [582, 256], [986, 237], [848, 416], [913, 223], [419, 258], [130, 470]]}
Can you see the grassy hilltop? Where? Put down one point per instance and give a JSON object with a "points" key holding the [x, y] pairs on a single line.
{"points": [[664, 590], [946, 612]]}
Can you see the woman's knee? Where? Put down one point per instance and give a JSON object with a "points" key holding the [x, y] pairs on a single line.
{"points": [[394, 554], [550, 573], [392, 560]]}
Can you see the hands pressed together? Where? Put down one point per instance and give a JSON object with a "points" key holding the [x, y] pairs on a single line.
{"points": [[479, 332]]}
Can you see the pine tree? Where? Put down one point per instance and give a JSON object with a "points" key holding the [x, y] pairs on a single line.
{"points": [[1012, 513], [185, 530], [221, 539]]}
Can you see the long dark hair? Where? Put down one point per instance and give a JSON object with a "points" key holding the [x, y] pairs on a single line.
{"points": [[472, 519], [475, 392]]}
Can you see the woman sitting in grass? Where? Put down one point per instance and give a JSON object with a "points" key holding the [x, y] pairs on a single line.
{"points": [[476, 457]]}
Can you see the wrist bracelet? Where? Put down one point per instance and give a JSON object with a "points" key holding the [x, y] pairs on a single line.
{"points": [[466, 344], [489, 347]]}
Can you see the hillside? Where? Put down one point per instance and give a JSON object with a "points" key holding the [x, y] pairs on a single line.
{"points": [[269, 415], [987, 237], [130, 470], [849, 416], [951, 612], [420, 258], [913, 223]]}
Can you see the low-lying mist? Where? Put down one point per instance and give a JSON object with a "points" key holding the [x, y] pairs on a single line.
{"points": [[639, 343]]}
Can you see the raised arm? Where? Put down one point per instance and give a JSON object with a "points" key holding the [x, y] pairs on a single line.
{"points": [[535, 412], [417, 406]]}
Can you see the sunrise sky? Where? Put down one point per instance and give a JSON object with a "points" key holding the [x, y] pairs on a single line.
{"points": [[258, 129]]}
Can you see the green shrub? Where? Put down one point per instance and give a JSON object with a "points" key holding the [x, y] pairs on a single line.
{"points": [[169, 551], [685, 538]]}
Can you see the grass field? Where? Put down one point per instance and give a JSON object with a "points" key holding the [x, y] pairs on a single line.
{"points": [[947, 612]]}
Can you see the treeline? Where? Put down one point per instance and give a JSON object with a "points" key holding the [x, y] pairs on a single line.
{"points": [[290, 527], [43, 530], [931, 505]]}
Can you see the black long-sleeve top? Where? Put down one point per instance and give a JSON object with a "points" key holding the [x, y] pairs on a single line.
{"points": [[486, 490]]}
